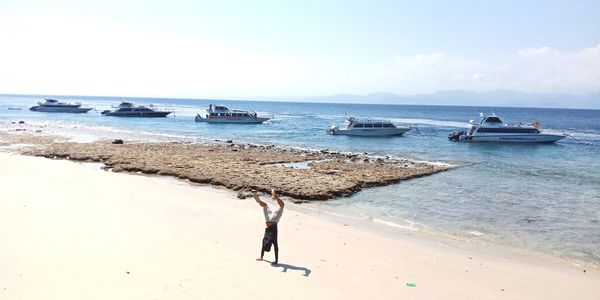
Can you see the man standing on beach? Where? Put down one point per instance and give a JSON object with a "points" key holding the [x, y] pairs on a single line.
{"points": [[271, 219]]}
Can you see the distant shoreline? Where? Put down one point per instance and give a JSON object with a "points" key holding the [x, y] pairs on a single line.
{"points": [[478, 100]]}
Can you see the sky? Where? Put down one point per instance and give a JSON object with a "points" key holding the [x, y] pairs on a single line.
{"points": [[293, 49]]}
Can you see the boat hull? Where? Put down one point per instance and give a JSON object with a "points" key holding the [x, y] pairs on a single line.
{"points": [[254, 120], [525, 138], [371, 132], [154, 114], [73, 110]]}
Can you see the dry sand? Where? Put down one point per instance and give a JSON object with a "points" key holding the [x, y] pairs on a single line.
{"points": [[72, 232]]}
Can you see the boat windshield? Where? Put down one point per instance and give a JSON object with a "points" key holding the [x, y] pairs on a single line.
{"points": [[492, 119], [126, 104]]}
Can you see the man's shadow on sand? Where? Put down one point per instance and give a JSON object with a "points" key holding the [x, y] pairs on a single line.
{"points": [[285, 268]]}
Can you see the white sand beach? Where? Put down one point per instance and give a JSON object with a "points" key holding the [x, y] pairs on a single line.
{"points": [[71, 232]]}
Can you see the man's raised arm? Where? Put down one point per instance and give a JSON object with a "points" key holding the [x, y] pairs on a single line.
{"points": [[260, 202]]}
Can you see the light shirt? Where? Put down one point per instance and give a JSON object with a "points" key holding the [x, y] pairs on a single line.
{"points": [[272, 216]]}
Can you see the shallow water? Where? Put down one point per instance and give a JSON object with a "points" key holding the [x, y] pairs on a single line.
{"points": [[539, 197]]}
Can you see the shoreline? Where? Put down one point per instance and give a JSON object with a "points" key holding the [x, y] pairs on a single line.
{"points": [[397, 232], [198, 243]]}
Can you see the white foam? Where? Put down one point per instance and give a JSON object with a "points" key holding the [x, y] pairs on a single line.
{"points": [[432, 122], [475, 233], [575, 134], [412, 225]]}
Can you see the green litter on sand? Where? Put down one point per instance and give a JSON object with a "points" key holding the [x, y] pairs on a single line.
{"points": [[411, 284]]}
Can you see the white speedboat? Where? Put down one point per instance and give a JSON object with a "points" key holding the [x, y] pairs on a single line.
{"points": [[492, 129], [368, 127], [53, 105], [222, 114], [127, 109]]}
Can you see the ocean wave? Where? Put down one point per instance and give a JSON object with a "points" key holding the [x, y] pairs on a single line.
{"points": [[169, 135], [412, 226], [576, 134]]}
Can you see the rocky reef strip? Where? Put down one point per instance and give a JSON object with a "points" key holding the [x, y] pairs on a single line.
{"points": [[239, 167]]}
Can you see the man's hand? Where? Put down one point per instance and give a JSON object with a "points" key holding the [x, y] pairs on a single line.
{"points": [[276, 197]]}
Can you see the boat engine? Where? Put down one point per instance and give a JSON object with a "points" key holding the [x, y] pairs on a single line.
{"points": [[332, 129], [455, 136]]}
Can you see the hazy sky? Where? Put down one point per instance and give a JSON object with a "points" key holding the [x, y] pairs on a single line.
{"points": [[248, 49]]}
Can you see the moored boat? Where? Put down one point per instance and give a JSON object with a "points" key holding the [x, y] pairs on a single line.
{"points": [[55, 106], [368, 127], [127, 109], [222, 114], [492, 129]]}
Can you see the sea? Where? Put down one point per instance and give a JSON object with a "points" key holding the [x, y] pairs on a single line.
{"points": [[537, 197]]}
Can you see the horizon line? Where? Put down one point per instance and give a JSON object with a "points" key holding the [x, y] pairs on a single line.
{"points": [[314, 99]]}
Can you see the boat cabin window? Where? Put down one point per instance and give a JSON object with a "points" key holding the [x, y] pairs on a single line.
{"points": [[509, 130], [368, 125], [493, 120], [358, 126], [388, 125], [378, 125]]}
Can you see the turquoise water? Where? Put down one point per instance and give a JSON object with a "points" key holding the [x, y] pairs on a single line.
{"points": [[540, 197]]}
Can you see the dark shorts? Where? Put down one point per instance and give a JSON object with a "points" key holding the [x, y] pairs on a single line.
{"points": [[269, 238]]}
